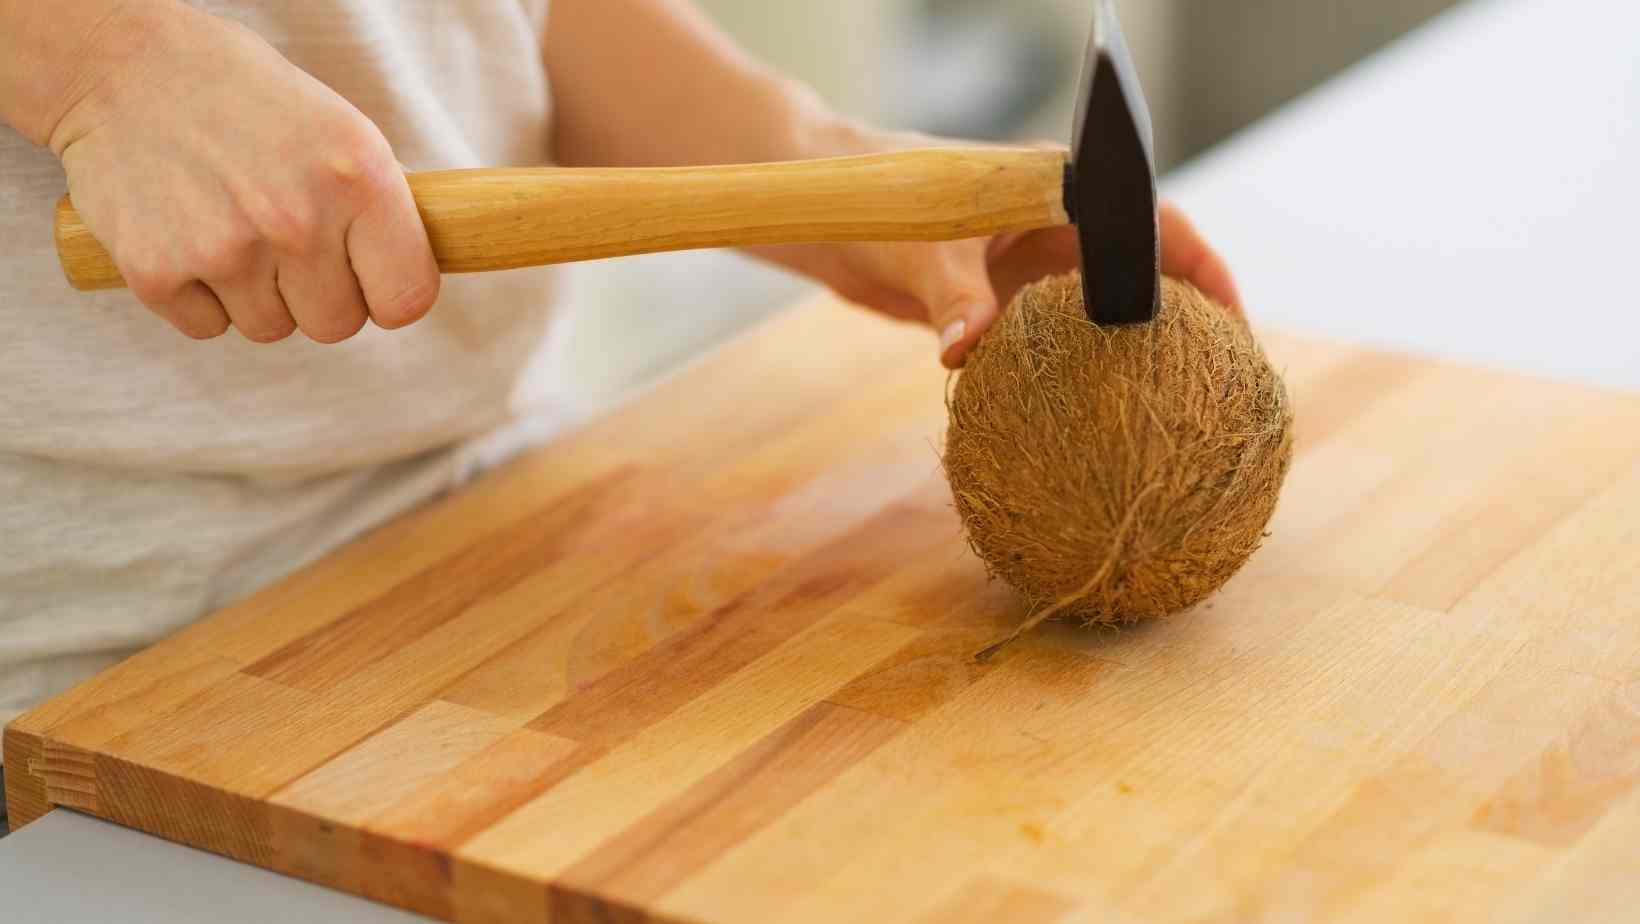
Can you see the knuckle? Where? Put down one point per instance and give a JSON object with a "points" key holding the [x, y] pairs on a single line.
{"points": [[224, 252], [151, 286], [334, 330], [356, 164], [288, 223], [409, 305], [261, 322], [150, 277], [202, 327], [268, 331]]}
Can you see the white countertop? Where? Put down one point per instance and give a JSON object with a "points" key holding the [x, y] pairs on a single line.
{"points": [[1470, 192]]}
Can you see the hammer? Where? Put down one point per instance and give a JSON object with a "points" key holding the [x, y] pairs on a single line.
{"points": [[495, 219]]}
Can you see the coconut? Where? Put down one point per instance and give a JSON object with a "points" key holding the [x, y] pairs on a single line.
{"points": [[1115, 474]]}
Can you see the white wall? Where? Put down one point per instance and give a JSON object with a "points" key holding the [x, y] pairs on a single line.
{"points": [[1151, 28], [1238, 59], [630, 320], [838, 46], [845, 49]]}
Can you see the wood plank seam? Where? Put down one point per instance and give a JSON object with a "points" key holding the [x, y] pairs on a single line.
{"points": [[438, 594], [179, 809], [650, 686], [1591, 498], [741, 690], [26, 798], [70, 775], [652, 855]]}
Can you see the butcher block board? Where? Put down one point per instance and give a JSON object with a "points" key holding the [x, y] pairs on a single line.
{"points": [[710, 659]]}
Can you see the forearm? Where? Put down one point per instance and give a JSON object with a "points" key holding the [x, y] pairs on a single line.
{"points": [[654, 82], [52, 54]]}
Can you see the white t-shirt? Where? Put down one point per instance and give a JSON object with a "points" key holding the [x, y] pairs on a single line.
{"points": [[147, 479]]}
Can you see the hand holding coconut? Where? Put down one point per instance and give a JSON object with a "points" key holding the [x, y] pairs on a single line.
{"points": [[960, 287], [1115, 474], [1109, 474]]}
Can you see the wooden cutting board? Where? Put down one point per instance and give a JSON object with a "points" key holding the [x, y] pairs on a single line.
{"points": [[709, 660]]}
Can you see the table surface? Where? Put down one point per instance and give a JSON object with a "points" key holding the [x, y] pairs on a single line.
{"points": [[712, 660], [1275, 198]]}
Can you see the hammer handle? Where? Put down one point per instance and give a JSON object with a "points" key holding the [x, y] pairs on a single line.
{"points": [[494, 219]]}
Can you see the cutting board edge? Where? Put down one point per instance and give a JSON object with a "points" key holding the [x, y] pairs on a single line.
{"points": [[391, 880], [26, 800]]}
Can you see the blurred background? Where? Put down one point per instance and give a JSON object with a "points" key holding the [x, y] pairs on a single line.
{"points": [[997, 69]]}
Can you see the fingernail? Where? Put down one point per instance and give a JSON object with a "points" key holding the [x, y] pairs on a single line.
{"points": [[952, 333]]}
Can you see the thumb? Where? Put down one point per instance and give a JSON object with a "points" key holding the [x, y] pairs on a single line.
{"points": [[955, 289]]}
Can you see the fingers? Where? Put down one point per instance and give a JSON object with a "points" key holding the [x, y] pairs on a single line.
{"points": [[253, 302], [390, 255], [1187, 255], [278, 269], [156, 280], [323, 294], [194, 310], [954, 286], [323, 275], [1017, 260]]}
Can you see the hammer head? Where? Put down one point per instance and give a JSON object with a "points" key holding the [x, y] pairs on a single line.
{"points": [[1110, 187]]}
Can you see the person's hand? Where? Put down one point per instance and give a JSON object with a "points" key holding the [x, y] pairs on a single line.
{"points": [[959, 287], [231, 187]]}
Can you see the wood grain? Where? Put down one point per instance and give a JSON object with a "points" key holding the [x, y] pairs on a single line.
{"points": [[710, 660], [495, 218]]}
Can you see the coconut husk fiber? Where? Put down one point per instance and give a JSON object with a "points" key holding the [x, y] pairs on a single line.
{"points": [[1115, 474]]}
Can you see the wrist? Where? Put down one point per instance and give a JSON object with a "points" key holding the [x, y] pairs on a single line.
{"points": [[59, 58], [833, 135], [798, 125], [42, 54], [108, 66], [813, 130], [816, 131]]}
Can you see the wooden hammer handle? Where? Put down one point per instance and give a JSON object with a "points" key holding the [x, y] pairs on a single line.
{"points": [[498, 219]]}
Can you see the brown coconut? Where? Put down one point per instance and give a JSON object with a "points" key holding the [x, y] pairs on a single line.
{"points": [[1115, 474]]}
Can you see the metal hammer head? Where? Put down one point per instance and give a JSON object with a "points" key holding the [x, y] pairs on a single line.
{"points": [[1110, 186]]}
